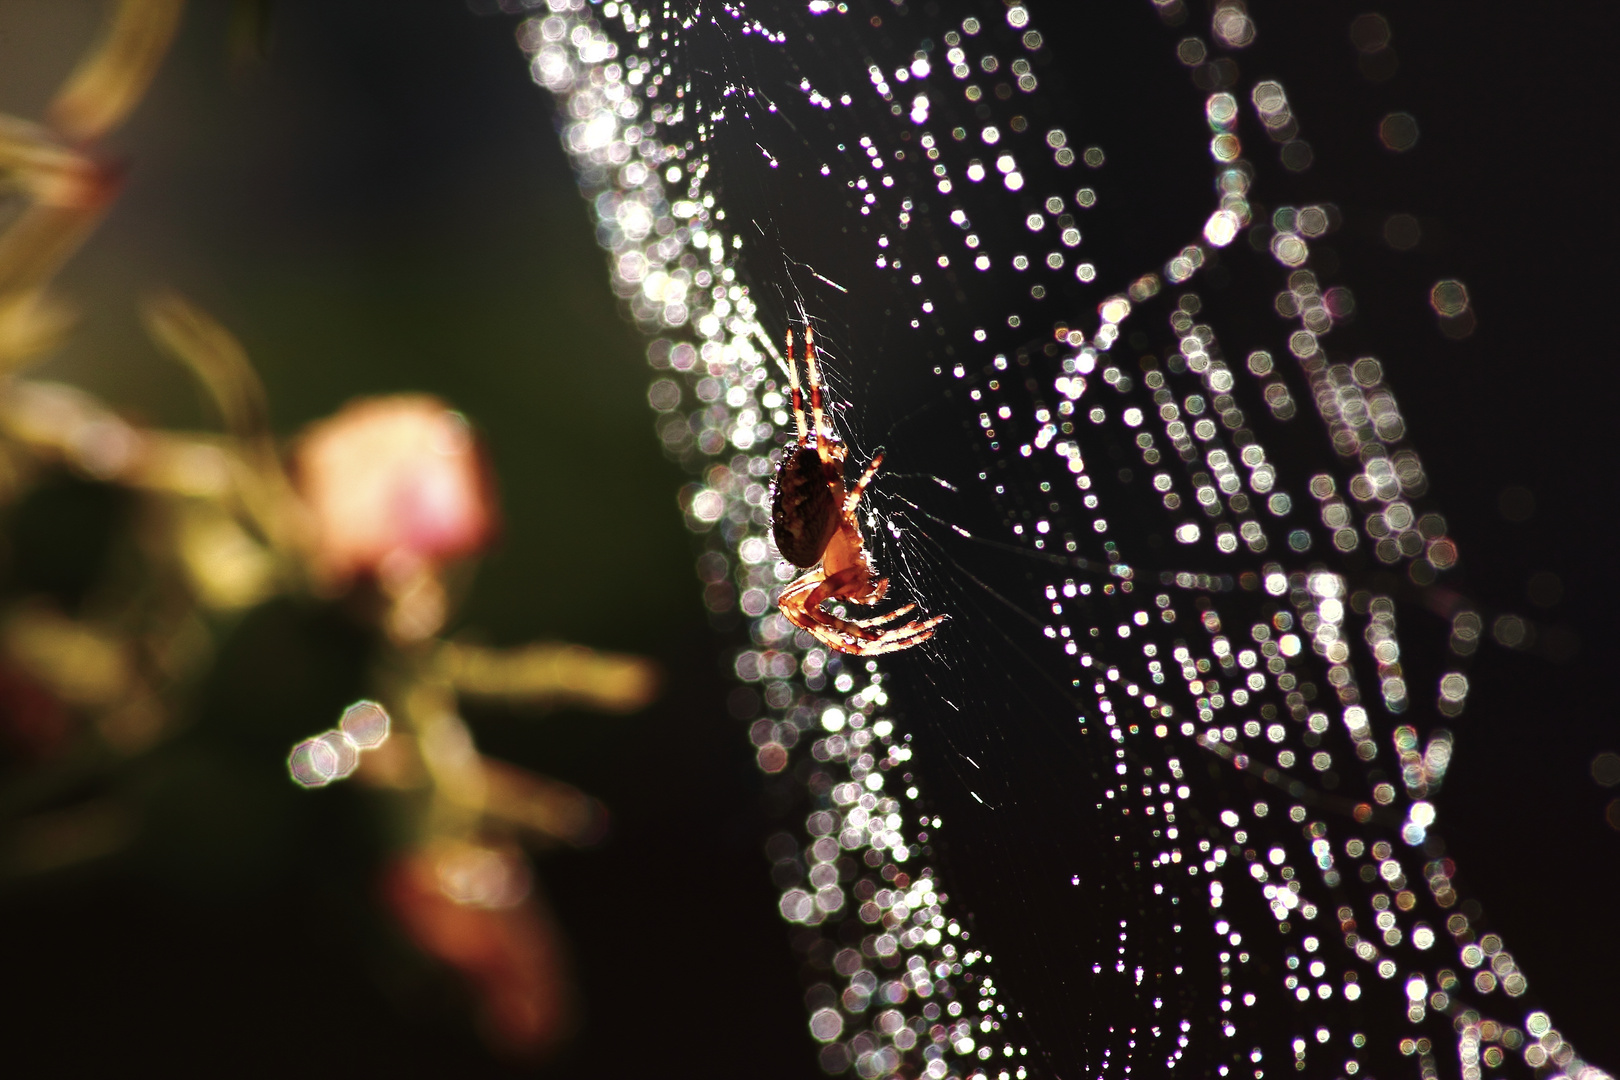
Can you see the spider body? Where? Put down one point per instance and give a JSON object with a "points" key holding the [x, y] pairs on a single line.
{"points": [[814, 523], [804, 512]]}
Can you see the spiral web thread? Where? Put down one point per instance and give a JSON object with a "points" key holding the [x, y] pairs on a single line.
{"points": [[1341, 854]]}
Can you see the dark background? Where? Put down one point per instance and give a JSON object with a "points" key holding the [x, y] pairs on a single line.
{"points": [[381, 204]]}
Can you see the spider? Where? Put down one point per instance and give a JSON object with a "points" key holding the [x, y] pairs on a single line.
{"points": [[813, 520]]}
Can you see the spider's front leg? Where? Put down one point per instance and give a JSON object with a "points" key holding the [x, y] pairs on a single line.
{"points": [[902, 637], [825, 628], [793, 601], [853, 584], [854, 497], [798, 394], [818, 411]]}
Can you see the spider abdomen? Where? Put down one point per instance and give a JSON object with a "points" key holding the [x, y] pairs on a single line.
{"points": [[804, 508]]}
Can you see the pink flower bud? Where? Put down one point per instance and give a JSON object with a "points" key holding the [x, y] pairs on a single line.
{"points": [[393, 484]]}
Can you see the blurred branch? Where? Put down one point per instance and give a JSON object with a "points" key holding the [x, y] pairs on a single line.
{"points": [[549, 808], [36, 246], [221, 364], [80, 664], [469, 788], [217, 359], [70, 190], [62, 838], [552, 675], [112, 79], [38, 163], [63, 424], [30, 324], [71, 194]]}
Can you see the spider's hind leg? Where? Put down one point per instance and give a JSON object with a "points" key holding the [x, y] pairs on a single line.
{"points": [[792, 604]]}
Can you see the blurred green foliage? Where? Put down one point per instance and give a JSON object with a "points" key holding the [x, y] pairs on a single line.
{"points": [[378, 204]]}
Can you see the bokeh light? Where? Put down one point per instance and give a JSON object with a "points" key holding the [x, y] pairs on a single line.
{"points": [[335, 755], [1398, 131]]}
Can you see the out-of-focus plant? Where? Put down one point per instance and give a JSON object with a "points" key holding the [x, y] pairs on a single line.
{"points": [[375, 513]]}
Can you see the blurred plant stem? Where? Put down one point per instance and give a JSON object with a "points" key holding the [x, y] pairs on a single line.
{"points": [[221, 365], [57, 169], [550, 675], [111, 80]]}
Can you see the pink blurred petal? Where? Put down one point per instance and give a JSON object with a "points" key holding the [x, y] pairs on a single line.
{"points": [[394, 478]]}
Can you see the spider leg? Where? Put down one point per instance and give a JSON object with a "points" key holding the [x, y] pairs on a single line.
{"points": [[827, 628], [875, 594], [833, 639], [841, 585], [887, 617], [798, 396], [901, 637], [846, 585], [792, 604], [855, 493], [838, 634], [801, 603], [841, 634], [811, 595], [813, 370], [792, 598], [905, 637]]}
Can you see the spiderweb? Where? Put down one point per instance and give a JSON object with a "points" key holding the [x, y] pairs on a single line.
{"points": [[1158, 798]]}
